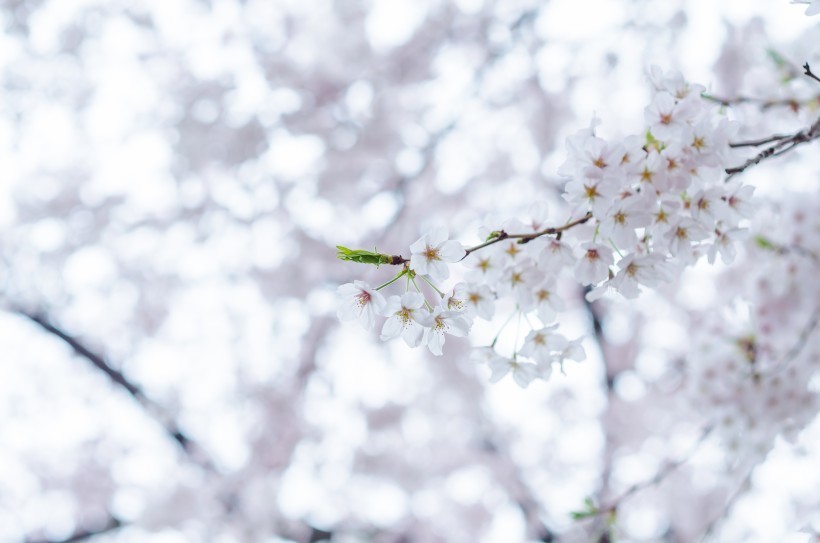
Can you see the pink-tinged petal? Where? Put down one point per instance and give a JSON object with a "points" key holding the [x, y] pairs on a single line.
{"points": [[451, 251], [377, 301]]}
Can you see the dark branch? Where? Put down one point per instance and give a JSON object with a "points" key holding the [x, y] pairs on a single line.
{"points": [[526, 238], [782, 146], [809, 73], [111, 524], [764, 104], [116, 377]]}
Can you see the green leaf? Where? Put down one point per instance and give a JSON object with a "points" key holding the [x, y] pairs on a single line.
{"points": [[764, 243], [590, 510], [361, 256]]}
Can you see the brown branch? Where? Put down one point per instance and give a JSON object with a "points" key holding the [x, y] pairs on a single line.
{"points": [[758, 143], [764, 104], [782, 146], [526, 238]]}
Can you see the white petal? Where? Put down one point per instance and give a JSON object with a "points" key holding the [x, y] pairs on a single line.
{"points": [[451, 251], [435, 342], [412, 300], [391, 329], [437, 236]]}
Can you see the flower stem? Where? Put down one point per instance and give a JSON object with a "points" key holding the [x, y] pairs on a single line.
{"points": [[432, 285], [387, 284], [426, 303]]}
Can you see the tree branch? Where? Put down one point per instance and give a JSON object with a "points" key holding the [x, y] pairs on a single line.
{"points": [[782, 146], [119, 379], [809, 73], [111, 524]]}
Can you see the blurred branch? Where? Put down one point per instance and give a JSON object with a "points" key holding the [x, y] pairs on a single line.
{"points": [[494, 55], [117, 377], [111, 524], [783, 145], [764, 104], [744, 485]]}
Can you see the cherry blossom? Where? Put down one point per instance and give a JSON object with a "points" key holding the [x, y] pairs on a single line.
{"points": [[404, 314], [358, 301], [432, 252], [441, 322]]}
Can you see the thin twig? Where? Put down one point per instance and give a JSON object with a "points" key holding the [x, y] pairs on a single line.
{"points": [[742, 487], [526, 238], [782, 145], [758, 143], [764, 104]]}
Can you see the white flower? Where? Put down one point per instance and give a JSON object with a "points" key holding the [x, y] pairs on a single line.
{"points": [[574, 351], [593, 266], [725, 244], [547, 303], [441, 322], [517, 281], [403, 315], [357, 300], [554, 254], [739, 200], [666, 116], [649, 270], [487, 266], [473, 299], [591, 192], [431, 253], [523, 372], [682, 235], [541, 344], [623, 218], [708, 207]]}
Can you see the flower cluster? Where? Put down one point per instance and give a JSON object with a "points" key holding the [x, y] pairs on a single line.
{"points": [[410, 315], [640, 210], [754, 376]]}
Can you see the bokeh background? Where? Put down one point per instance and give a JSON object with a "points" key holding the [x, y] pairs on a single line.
{"points": [[175, 176]]}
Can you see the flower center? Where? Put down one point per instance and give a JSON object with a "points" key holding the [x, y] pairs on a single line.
{"points": [[363, 298]]}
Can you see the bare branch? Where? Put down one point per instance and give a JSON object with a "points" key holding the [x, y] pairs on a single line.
{"points": [[782, 146], [118, 378]]}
